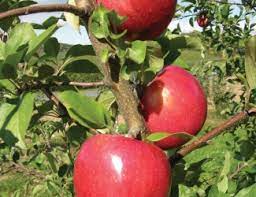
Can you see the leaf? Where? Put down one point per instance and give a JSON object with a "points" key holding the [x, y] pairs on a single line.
{"points": [[49, 22], [155, 64], [6, 84], [104, 55], [72, 19], [80, 50], [185, 191], [138, 51], [100, 23], [45, 71], [155, 137], [182, 63], [36, 42], [250, 62], [81, 58], [107, 99], [214, 192], [2, 50], [52, 161], [15, 118], [227, 165], [52, 47], [84, 110], [223, 185], [80, 64], [21, 34], [8, 67], [247, 192]]}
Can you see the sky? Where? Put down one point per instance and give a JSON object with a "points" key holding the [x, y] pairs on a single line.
{"points": [[66, 34]]}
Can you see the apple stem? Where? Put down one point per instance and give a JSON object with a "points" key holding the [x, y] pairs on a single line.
{"points": [[211, 134]]}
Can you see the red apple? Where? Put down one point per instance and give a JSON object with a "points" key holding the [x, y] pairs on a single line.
{"points": [[174, 102], [146, 19], [203, 20], [116, 166]]}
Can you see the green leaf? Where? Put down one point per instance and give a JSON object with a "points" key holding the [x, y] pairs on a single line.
{"points": [[45, 71], [84, 110], [155, 137], [214, 192], [2, 50], [52, 162], [52, 47], [21, 34], [182, 63], [250, 62], [247, 192], [138, 51], [223, 185], [155, 64], [6, 84], [185, 191], [107, 99], [104, 55], [80, 50], [80, 64], [81, 59], [227, 165], [15, 118], [9, 65], [36, 42], [100, 23], [50, 22]]}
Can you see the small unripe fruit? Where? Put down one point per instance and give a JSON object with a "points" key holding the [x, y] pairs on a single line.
{"points": [[146, 19], [116, 166], [174, 102]]}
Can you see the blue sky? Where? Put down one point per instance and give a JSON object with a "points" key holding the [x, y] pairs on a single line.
{"points": [[67, 34]]}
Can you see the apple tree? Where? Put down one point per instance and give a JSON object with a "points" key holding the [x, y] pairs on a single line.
{"points": [[88, 120]]}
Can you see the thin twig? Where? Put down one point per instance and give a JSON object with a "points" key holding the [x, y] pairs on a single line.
{"points": [[240, 167], [213, 133], [45, 8], [20, 168], [87, 84]]}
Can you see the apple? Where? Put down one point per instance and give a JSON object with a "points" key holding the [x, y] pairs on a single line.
{"points": [[203, 20], [113, 165], [174, 102], [146, 19]]}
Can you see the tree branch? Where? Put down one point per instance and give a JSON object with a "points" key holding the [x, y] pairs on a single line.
{"points": [[127, 101], [215, 132], [46, 8]]}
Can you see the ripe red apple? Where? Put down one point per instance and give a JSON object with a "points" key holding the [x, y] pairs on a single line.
{"points": [[146, 19], [203, 20], [116, 166], [174, 102]]}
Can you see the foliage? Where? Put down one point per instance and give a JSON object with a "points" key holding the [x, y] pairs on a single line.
{"points": [[44, 119]]}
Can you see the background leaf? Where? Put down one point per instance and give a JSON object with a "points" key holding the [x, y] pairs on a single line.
{"points": [[15, 119], [84, 110]]}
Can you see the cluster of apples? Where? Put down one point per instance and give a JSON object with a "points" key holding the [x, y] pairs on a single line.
{"points": [[116, 166]]}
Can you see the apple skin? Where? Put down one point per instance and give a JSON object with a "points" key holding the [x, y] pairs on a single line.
{"points": [[113, 165], [146, 19], [174, 102], [203, 21]]}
